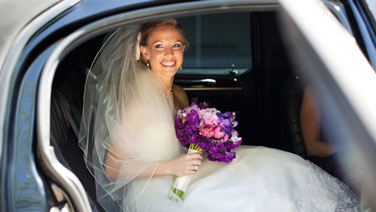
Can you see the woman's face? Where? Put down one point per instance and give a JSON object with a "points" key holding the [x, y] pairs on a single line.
{"points": [[164, 50]]}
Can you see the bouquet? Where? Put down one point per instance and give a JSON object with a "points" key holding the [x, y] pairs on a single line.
{"points": [[203, 129]]}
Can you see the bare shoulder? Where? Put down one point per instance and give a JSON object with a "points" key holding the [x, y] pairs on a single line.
{"points": [[180, 96], [178, 90]]}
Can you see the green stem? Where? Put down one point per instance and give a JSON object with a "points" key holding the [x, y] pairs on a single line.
{"points": [[196, 147], [178, 193]]}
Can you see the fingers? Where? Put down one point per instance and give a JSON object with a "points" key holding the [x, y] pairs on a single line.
{"points": [[194, 166], [195, 159], [187, 164], [193, 169], [196, 163], [191, 173], [195, 156], [193, 162]]}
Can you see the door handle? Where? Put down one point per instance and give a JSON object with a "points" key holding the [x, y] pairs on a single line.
{"points": [[206, 81]]}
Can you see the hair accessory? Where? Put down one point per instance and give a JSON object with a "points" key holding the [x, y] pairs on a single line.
{"points": [[137, 52]]}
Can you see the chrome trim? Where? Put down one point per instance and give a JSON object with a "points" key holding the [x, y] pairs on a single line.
{"points": [[66, 178], [365, 35], [208, 80], [15, 51], [213, 89], [339, 10], [213, 71], [197, 81]]}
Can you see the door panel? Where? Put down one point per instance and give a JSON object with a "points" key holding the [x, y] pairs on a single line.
{"points": [[342, 79]]}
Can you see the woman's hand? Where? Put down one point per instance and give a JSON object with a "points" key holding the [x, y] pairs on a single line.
{"points": [[185, 164]]}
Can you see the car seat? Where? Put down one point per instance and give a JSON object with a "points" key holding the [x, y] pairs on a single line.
{"points": [[66, 107], [294, 96]]}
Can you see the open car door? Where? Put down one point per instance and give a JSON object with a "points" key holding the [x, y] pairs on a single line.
{"points": [[333, 65]]}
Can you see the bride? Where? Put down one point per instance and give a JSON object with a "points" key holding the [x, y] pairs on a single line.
{"points": [[127, 134]]}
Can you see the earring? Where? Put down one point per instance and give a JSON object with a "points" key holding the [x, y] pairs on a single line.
{"points": [[148, 65], [180, 68]]}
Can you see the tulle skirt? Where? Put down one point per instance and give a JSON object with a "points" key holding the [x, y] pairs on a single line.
{"points": [[259, 179]]}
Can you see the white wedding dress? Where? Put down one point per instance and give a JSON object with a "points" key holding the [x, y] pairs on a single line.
{"points": [[128, 119], [259, 179]]}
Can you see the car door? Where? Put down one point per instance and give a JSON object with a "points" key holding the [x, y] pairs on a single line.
{"points": [[343, 79], [210, 87]]}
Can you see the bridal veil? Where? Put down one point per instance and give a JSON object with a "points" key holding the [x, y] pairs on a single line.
{"points": [[125, 113]]}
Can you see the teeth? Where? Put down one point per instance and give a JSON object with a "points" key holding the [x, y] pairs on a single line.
{"points": [[168, 63]]}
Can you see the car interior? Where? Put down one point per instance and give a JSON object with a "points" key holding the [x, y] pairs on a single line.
{"points": [[246, 69]]}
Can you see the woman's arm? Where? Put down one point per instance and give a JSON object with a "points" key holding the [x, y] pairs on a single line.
{"points": [[179, 166], [310, 125]]}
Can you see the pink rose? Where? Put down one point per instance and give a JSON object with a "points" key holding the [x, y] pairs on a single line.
{"points": [[207, 131], [209, 116], [218, 132], [225, 138]]}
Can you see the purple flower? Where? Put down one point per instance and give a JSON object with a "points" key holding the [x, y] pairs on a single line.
{"points": [[202, 105], [212, 130]]}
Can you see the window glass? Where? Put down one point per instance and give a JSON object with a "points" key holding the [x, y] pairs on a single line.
{"points": [[216, 42], [372, 7]]}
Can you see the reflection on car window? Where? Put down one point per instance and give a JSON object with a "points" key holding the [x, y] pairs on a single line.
{"points": [[216, 42], [372, 7]]}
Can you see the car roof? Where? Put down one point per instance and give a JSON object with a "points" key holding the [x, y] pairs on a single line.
{"points": [[14, 16]]}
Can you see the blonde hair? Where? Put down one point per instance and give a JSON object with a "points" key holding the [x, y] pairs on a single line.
{"points": [[147, 28]]}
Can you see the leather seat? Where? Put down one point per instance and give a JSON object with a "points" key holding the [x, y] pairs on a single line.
{"points": [[66, 107], [294, 96]]}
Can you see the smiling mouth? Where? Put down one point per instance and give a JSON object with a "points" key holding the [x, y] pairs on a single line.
{"points": [[169, 64]]}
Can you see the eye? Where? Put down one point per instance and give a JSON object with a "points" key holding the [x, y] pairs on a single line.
{"points": [[158, 46], [177, 45]]}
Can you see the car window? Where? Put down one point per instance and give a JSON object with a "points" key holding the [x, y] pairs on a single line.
{"points": [[215, 42]]}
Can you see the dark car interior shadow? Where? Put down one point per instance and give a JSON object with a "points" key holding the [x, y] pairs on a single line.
{"points": [[273, 70], [66, 108]]}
